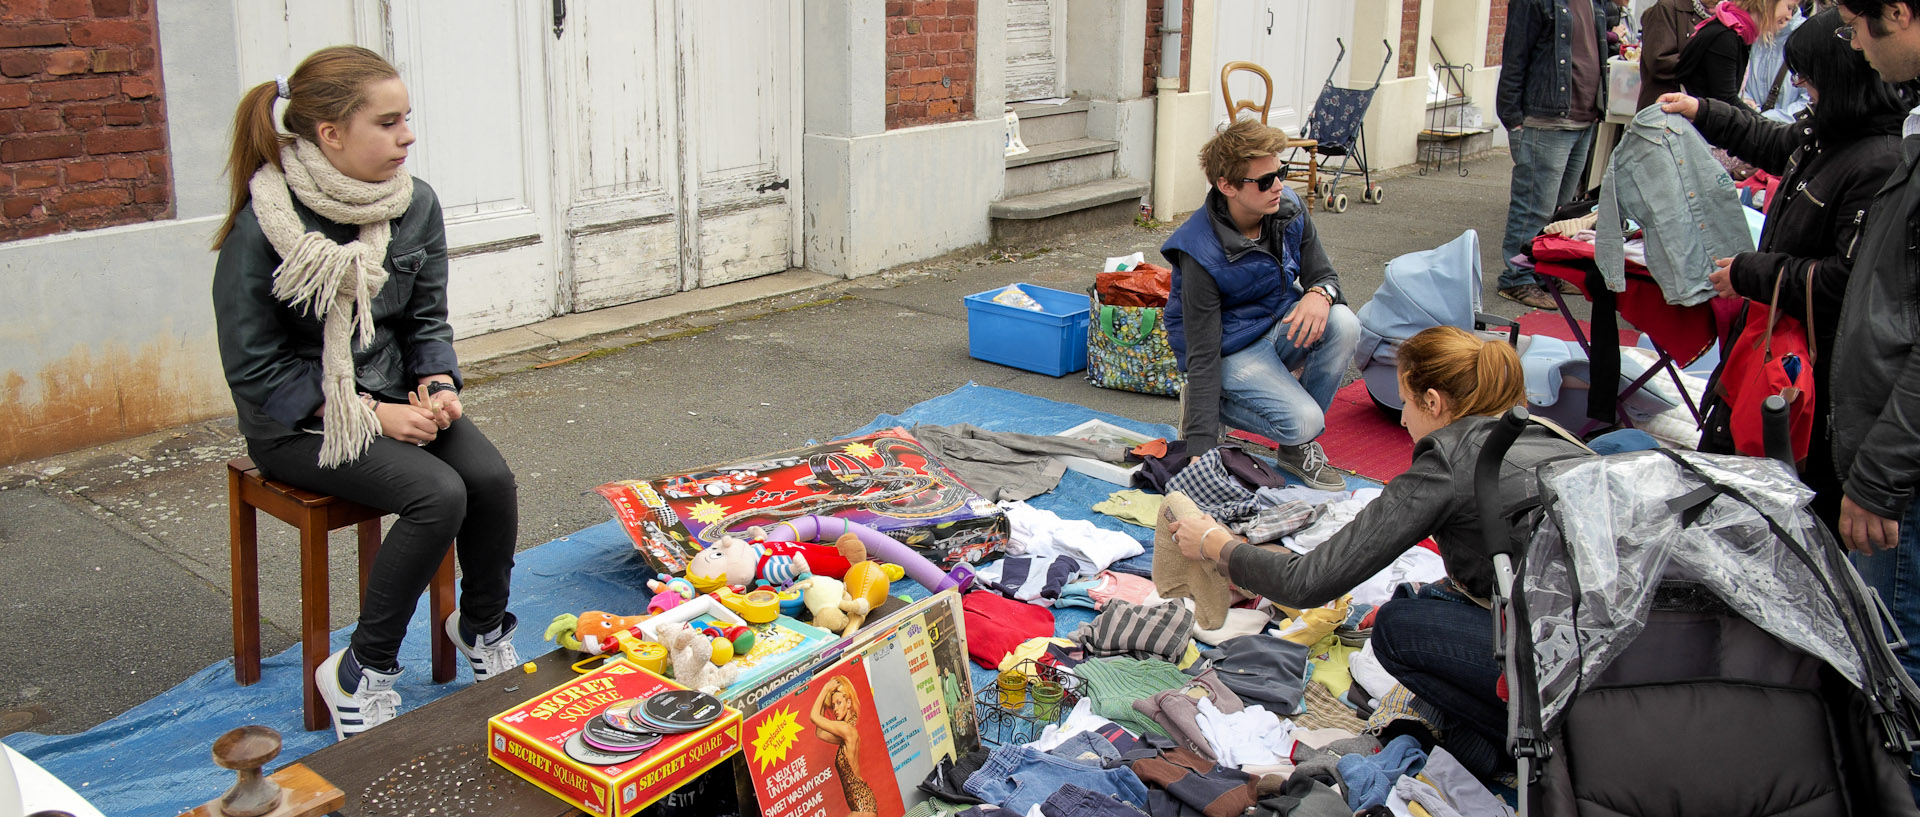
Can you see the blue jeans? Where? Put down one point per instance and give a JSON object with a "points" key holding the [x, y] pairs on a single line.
{"points": [[1021, 777], [1440, 646], [1259, 393], [1546, 174], [1895, 574]]}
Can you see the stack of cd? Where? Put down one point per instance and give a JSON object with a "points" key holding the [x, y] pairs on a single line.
{"points": [[676, 711], [613, 736]]}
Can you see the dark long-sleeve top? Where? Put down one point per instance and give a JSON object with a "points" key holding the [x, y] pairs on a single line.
{"points": [[271, 351], [1664, 28], [1433, 497], [1713, 65], [1200, 299]]}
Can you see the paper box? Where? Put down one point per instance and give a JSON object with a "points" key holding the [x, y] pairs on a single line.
{"points": [[884, 480], [530, 739]]}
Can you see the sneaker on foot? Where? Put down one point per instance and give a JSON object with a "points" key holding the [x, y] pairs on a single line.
{"points": [[490, 653], [1530, 295], [358, 697], [1565, 286], [1309, 463]]}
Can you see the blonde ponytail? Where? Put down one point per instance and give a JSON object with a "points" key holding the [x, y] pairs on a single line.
{"points": [[1476, 376]]}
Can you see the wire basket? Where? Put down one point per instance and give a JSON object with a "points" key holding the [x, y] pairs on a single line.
{"points": [[1005, 720]]}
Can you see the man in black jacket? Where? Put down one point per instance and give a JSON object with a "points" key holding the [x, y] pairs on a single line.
{"points": [[1552, 92], [1876, 364]]}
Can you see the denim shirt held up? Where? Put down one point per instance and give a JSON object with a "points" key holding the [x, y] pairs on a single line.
{"points": [[1663, 177]]}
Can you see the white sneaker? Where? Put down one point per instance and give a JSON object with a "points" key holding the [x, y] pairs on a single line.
{"points": [[371, 703], [488, 657]]}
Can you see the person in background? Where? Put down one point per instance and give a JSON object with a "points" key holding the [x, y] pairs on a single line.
{"points": [[1552, 92], [1254, 298], [1769, 87], [1665, 28], [1876, 355], [1713, 64], [330, 299], [1831, 162]]}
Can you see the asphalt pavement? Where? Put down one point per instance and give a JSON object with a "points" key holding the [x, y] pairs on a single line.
{"points": [[113, 560]]}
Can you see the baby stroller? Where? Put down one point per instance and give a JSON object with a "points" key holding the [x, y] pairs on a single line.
{"points": [[1437, 287], [1335, 127], [1689, 640]]}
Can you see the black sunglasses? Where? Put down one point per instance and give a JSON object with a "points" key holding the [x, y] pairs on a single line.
{"points": [[1266, 182]]}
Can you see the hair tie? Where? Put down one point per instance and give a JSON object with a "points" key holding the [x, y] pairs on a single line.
{"points": [[281, 83]]}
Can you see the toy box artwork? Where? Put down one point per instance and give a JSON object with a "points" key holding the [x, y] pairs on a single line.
{"points": [[530, 740], [884, 480]]}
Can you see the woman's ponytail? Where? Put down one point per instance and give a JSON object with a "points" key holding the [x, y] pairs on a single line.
{"points": [[329, 86], [255, 142], [1477, 376]]}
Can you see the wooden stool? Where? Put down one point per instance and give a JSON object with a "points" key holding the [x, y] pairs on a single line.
{"points": [[315, 515]]}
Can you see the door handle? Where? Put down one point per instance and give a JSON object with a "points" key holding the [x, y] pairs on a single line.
{"points": [[559, 17], [1269, 21]]}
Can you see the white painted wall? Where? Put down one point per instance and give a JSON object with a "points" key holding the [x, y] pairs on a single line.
{"points": [[109, 333], [1129, 122], [876, 201]]}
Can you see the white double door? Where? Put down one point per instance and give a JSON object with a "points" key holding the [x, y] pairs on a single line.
{"points": [[1293, 40], [586, 153]]}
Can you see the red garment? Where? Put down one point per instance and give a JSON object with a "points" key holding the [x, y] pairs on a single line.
{"points": [[1733, 17], [1686, 332], [997, 624]]}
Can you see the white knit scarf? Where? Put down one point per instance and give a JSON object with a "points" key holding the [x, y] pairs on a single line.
{"points": [[330, 281]]}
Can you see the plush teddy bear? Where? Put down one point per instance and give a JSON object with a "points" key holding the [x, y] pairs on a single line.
{"points": [[866, 590], [690, 653], [823, 595], [734, 562]]}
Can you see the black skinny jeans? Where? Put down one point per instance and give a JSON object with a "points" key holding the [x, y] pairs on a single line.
{"points": [[456, 488]]}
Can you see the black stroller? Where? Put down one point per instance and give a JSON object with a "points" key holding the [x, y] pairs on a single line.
{"points": [[1690, 641], [1336, 127]]}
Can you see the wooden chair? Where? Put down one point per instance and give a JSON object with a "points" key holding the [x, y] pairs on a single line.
{"points": [[314, 515], [1307, 171]]}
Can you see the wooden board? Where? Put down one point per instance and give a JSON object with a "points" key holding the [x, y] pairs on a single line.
{"points": [[435, 757], [303, 794]]}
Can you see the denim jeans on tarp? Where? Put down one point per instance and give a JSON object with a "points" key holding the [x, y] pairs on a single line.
{"points": [[1895, 575], [1439, 644], [1074, 801], [1259, 393], [457, 487], [1020, 777], [1547, 165]]}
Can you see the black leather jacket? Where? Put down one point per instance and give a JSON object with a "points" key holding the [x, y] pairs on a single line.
{"points": [[271, 353], [1434, 497], [1876, 369]]}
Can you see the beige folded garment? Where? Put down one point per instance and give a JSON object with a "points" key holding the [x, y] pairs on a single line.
{"points": [[1177, 576]]}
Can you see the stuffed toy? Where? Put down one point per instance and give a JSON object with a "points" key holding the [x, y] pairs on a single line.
{"points": [[591, 631], [823, 595], [734, 562], [690, 653], [866, 591], [668, 592]]}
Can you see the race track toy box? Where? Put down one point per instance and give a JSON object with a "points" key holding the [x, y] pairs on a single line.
{"points": [[530, 740], [884, 480]]}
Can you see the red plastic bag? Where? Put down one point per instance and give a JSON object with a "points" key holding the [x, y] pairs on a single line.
{"points": [[1144, 285], [1773, 355]]}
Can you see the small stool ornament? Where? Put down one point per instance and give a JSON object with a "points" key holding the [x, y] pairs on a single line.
{"points": [[245, 750]]}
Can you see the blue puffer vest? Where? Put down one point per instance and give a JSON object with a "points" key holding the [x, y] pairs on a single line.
{"points": [[1255, 288]]}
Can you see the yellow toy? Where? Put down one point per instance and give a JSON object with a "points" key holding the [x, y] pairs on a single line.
{"points": [[823, 596], [866, 589]]}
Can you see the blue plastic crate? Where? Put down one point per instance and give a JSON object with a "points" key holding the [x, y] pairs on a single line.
{"points": [[1052, 341]]}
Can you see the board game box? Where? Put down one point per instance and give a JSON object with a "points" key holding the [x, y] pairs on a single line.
{"points": [[530, 740], [885, 480]]}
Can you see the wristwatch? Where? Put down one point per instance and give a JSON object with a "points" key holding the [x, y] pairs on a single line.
{"points": [[439, 386], [1327, 290]]}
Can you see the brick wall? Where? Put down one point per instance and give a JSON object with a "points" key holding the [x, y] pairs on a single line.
{"points": [[1151, 71], [1409, 36], [83, 140], [1496, 31], [930, 52]]}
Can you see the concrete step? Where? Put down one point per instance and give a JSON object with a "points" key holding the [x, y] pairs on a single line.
{"points": [[1041, 124], [1060, 164], [1045, 215]]}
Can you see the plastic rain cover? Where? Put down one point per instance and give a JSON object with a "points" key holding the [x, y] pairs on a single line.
{"points": [[1621, 540]]}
